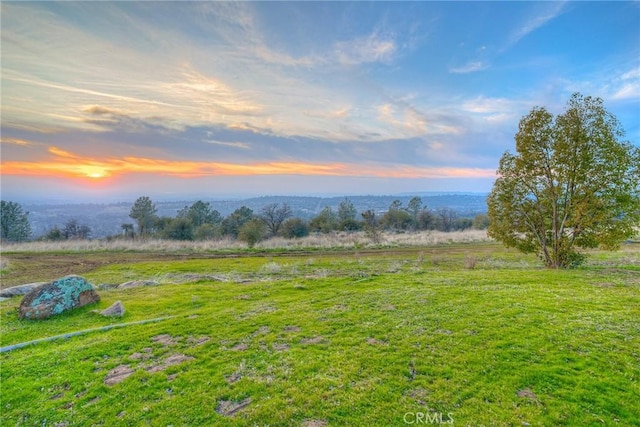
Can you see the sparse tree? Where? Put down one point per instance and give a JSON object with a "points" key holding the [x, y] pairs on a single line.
{"points": [[572, 184], [273, 215], [347, 216], [325, 222], [445, 219], [127, 230], [426, 220], [371, 226], [74, 230], [14, 222], [252, 232], [414, 207], [144, 212], [396, 218], [54, 234]]}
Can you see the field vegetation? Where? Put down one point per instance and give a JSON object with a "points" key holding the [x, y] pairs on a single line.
{"points": [[468, 333]]}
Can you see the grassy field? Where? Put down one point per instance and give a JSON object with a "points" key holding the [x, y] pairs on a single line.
{"points": [[464, 334]]}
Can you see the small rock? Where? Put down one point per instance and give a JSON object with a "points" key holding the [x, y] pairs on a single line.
{"points": [[115, 310], [137, 284], [15, 291], [57, 297]]}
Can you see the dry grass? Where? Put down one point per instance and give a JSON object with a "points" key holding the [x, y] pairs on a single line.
{"points": [[331, 240]]}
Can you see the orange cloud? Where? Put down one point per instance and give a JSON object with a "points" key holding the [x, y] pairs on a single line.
{"points": [[66, 164]]}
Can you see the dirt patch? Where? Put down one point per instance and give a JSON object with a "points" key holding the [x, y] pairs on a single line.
{"points": [[314, 423], [261, 309], [118, 374], [280, 347], [388, 307], [419, 395], [527, 393], [146, 354], [314, 340], [375, 341], [233, 378], [174, 359], [228, 408], [165, 339], [292, 329], [197, 340], [240, 347]]}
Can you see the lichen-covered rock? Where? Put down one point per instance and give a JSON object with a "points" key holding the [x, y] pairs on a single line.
{"points": [[56, 297], [114, 310]]}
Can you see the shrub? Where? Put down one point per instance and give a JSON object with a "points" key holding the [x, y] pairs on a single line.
{"points": [[294, 228], [252, 232]]}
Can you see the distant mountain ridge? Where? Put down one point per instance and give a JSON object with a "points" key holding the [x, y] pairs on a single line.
{"points": [[106, 219]]}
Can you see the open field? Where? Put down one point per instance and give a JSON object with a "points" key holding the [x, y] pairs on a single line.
{"points": [[465, 333]]}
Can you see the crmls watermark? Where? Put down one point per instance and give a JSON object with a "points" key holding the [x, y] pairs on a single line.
{"points": [[428, 418]]}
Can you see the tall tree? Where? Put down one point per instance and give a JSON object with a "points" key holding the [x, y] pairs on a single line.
{"points": [[14, 222], [396, 218], [231, 224], [144, 212], [347, 214], [273, 215], [572, 184], [346, 211], [200, 213], [325, 222], [414, 207]]}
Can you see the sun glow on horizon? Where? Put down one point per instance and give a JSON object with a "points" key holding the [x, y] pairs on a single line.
{"points": [[70, 165]]}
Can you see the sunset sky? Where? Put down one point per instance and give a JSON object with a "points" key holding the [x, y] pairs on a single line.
{"points": [[107, 101]]}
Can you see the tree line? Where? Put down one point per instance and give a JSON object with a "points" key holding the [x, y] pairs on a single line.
{"points": [[199, 221]]}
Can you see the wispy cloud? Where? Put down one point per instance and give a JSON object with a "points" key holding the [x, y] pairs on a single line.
{"points": [[372, 48], [470, 67], [550, 11], [627, 86]]}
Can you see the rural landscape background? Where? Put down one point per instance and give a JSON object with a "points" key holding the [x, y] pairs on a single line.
{"points": [[320, 213]]}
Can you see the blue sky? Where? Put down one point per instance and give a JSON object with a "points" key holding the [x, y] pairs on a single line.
{"points": [[111, 100]]}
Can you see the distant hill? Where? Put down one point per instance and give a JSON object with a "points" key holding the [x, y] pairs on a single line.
{"points": [[106, 219]]}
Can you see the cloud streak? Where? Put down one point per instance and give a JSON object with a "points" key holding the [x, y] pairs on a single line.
{"points": [[63, 163]]}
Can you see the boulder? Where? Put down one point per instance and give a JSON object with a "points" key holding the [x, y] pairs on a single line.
{"points": [[57, 297], [15, 291], [114, 310]]}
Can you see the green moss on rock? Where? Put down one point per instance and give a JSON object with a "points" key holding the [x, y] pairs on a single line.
{"points": [[57, 297]]}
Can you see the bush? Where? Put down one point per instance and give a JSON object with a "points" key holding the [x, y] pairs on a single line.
{"points": [[294, 228], [206, 232], [252, 232]]}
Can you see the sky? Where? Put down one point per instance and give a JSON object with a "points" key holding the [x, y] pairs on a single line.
{"points": [[105, 101]]}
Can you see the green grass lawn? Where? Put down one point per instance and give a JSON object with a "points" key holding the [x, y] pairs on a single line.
{"points": [[470, 334]]}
